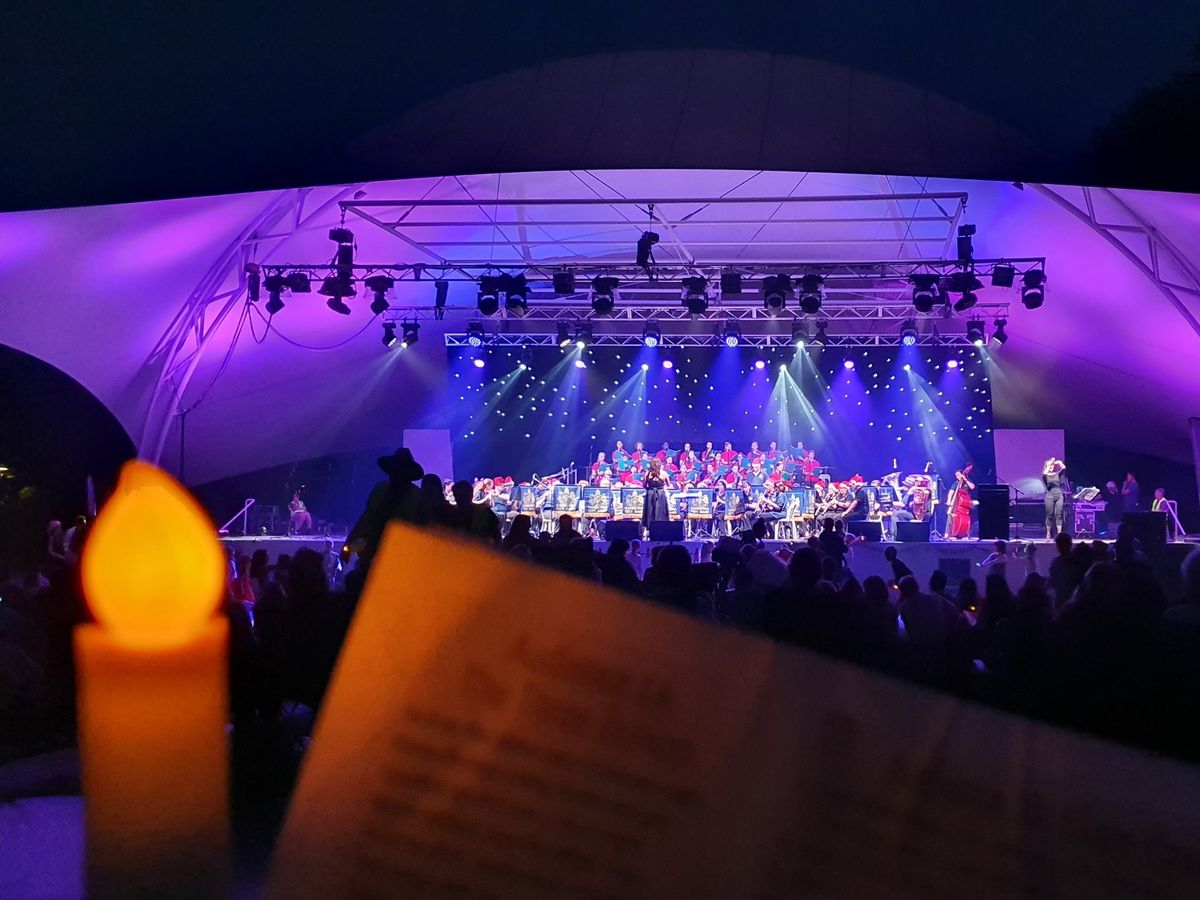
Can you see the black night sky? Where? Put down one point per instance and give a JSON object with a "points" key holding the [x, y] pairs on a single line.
{"points": [[111, 101]]}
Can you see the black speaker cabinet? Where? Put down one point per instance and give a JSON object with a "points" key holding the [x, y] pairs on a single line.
{"points": [[993, 511], [871, 532], [912, 532], [1148, 527], [666, 531], [627, 529]]}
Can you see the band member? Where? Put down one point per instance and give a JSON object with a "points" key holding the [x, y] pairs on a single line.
{"points": [[1132, 492], [1056, 483], [665, 453], [687, 458], [621, 458], [756, 476], [708, 452], [808, 467], [773, 453], [299, 516], [728, 455], [601, 469], [755, 453], [920, 496], [639, 455], [655, 507], [958, 505]]}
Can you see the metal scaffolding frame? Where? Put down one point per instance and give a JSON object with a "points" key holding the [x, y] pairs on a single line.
{"points": [[763, 341]]}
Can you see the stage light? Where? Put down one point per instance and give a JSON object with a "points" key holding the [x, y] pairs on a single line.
{"points": [[667, 364], [475, 334], [966, 251], [695, 294], [564, 334], [975, 332], [821, 338], [516, 294], [379, 285], [338, 305], [848, 364], [645, 367], [583, 334], [477, 363], [651, 335], [999, 335], [525, 357], [564, 283], [410, 334], [253, 281], [731, 282], [731, 334], [488, 298], [1033, 288], [580, 364], [952, 364], [645, 249], [783, 367], [775, 290], [799, 333], [908, 333], [440, 290], [299, 283], [275, 285], [759, 364], [812, 294], [965, 302], [604, 294], [274, 304], [925, 292], [1003, 275], [389, 334], [341, 236], [907, 368]]}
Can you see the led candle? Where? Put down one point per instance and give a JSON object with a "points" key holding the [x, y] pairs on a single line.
{"points": [[153, 696]]}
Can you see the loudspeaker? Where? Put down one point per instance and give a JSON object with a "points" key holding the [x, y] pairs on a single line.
{"points": [[666, 531], [871, 532], [912, 532], [955, 568], [624, 528], [993, 511], [1148, 527]]}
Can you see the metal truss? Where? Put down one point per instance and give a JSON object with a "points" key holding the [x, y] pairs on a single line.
{"points": [[763, 341], [1152, 255]]}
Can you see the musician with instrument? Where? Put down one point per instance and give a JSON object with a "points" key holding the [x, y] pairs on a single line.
{"points": [[958, 505]]}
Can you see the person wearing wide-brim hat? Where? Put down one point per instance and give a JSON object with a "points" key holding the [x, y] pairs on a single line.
{"points": [[397, 498]]}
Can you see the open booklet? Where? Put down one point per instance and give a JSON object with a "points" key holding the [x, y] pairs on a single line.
{"points": [[498, 729]]}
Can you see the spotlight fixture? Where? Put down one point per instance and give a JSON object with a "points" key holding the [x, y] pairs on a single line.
{"points": [[338, 305], [410, 334], [731, 334], [695, 294], [564, 334], [299, 283], [668, 364], [812, 293], [379, 285], [389, 334], [440, 290], [966, 250], [516, 294], [580, 364], [583, 334], [1003, 275], [253, 281], [952, 364], [999, 335], [343, 263], [966, 301], [651, 335], [478, 362], [820, 339], [907, 367], [475, 334], [963, 281], [604, 294], [341, 236], [908, 333], [799, 333], [1033, 288], [775, 290], [925, 292], [731, 282], [645, 249], [848, 364], [488, 298], [525, 357], [335, 287], [975, 332], [564, 283], [760, 364], [275, 285]]}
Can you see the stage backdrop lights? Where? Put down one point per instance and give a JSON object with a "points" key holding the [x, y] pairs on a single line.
{"points": [[1033, 288], [897, 408]]}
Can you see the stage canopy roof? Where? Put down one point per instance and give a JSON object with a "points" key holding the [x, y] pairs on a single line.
{"points": [[140, 302]]}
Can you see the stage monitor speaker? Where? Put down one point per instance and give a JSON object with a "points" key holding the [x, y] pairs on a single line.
{"points": [[1148, 527], [871, 532], [666, 531], [912, 532], [993, 511], [624, 528], [956, 569]]}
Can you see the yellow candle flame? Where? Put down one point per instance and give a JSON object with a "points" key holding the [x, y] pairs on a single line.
{"points": [[153, 570]]}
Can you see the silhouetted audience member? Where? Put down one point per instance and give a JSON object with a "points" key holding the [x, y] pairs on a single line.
{"points": [[475, 519]]}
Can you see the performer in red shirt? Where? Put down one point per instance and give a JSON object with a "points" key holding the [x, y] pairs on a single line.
{"points": [[729, 455], [808, 466]]}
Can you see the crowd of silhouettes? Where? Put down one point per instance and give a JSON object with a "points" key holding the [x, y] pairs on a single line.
{"points": [[1096, 643]]}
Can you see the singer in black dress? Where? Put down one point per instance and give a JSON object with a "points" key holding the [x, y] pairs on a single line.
{"points": [[1055, 483], [655, 508]]}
